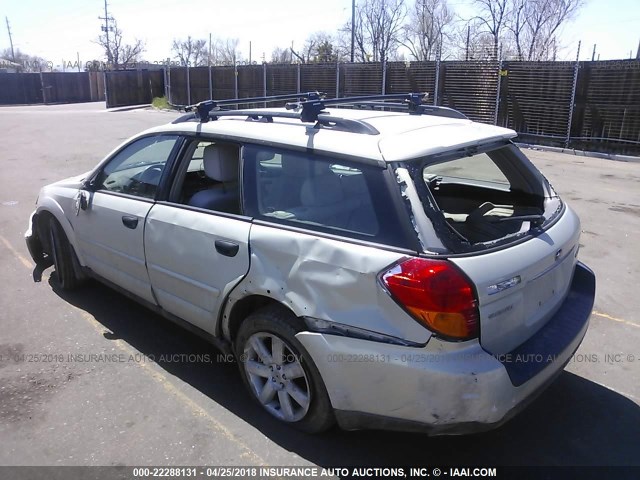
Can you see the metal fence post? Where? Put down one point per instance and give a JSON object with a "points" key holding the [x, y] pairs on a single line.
{"points": [[495, 113], [298, 84], [188, 86], [106, 90], [264, 82], [573, 96], [235, 81], [338, 79], [384, 77], [169, 84], [436, 84], [210, 84]]}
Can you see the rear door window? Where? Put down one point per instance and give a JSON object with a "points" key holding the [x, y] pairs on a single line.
{"points": [[319, 193]]}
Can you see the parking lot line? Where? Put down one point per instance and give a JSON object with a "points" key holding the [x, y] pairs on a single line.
{"points": [[24, 260], [609, 317], [196, 409]]}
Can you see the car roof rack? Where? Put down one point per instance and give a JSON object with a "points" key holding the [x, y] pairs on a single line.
{"points": [[310, 107], [202, 110], [421, 109]]}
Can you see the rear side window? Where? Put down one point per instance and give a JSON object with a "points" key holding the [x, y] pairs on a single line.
{"points": [[319, 193], [315, 192]]}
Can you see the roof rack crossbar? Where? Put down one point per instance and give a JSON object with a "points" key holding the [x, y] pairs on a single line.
{"points": [[323, 120], [203, 108], [421, 110], [312, 107]]}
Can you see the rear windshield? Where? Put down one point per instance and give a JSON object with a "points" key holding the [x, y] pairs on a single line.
{"points": [[478, 199]]}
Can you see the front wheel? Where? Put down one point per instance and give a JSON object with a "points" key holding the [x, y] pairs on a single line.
{"points": [[279, 373], [64, 258]]}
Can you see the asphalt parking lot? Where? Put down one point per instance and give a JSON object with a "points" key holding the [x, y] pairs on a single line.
{"points": [[59, 405]]}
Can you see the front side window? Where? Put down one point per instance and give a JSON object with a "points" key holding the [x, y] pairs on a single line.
{"points": [[137, 168]]}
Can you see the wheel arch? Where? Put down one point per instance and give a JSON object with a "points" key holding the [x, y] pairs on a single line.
{"points": [[48, 208], [237, 311]]}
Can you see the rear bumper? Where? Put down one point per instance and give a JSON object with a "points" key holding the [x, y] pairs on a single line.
{"points": [[444, 387]]}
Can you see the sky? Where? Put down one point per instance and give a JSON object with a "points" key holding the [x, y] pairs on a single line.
{"points": [[62, 30]]}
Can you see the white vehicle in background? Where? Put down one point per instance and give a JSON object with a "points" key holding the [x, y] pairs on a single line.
{"points": [[385, 265]]}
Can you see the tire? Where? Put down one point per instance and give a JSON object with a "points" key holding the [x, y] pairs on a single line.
{"points": [[301, 399], [67, 267]]}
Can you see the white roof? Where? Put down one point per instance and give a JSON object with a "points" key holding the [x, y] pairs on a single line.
{"points": [[402, 136]]}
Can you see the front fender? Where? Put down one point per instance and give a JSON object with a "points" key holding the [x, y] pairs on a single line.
{"points": [[49, 205]]}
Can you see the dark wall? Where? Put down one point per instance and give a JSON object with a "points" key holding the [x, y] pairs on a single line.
{"points": [[51, 87], [133, 87]]}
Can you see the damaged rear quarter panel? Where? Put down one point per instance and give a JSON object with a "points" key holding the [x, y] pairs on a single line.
{"points": [[326, 279]]}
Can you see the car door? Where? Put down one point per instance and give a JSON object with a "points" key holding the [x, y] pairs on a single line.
{"points": [[198, 251], [109, 224]]}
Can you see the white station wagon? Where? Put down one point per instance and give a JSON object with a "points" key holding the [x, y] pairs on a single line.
{"points": [[386, 265]]}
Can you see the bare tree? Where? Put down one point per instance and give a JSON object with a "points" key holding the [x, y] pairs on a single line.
{"points": [[317, 48], [281, 55], [27, 63], [190, 52], [118, 53], [535, 24], [377, 29], [427, 27], [227, 51], [493, 16], [472, 41]]}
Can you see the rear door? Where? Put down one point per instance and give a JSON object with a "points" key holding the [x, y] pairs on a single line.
{"points": [[195, 256]]}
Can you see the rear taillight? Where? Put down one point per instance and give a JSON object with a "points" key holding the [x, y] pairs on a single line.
{"points": [[436, 294]]}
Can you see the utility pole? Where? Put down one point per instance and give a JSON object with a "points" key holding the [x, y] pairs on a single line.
{"points": [[353, 27], [106, 29], [638, 54], [13, 55]]}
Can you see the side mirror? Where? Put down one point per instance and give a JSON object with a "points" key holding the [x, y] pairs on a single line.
{"points": [[83, 201]]}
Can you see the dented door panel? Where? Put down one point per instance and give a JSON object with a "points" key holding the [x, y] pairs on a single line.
{"points": [[325, 279]]}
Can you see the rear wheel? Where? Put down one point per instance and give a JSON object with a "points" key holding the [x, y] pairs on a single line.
{"points": [[279, 373], [64, 258]]}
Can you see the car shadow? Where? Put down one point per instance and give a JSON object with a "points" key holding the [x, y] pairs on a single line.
{"points": [[574, 422]]}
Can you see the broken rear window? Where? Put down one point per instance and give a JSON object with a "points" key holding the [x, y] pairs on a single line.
{"points": [[483, 198]]}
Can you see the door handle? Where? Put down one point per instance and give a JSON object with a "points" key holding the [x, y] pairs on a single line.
{"points": [[130, 221], [227, 248]]}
